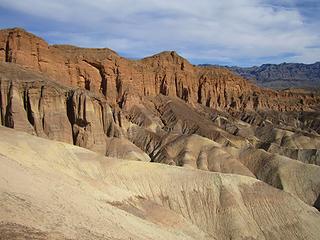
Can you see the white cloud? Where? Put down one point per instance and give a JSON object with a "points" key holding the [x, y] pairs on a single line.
{"points": [[205, 30]]}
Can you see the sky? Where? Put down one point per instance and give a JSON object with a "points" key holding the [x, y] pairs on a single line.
{"points": [[225, 32]]}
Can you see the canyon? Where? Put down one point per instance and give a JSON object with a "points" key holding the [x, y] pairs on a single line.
{"points": [[244, 160]]}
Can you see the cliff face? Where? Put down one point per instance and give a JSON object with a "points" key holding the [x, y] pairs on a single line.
{"points": [[125, 82], [33, 103]]}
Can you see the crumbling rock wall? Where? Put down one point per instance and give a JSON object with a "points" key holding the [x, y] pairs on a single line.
{"points": [[125, 82]]}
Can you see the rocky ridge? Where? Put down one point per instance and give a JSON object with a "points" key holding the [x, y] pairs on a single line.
{"points": [[280, 76], [124, 81]]}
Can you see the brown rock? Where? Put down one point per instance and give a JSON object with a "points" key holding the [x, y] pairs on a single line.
{"points": [[33, 103], [125, 81]]}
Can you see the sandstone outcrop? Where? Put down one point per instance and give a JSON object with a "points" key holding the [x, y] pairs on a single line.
{"points": [[125, 82], [37, 105]]}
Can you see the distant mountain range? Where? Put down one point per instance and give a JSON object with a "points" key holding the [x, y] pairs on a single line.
{"points": [[284, 75]]}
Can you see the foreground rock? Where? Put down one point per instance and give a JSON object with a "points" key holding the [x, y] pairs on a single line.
{"points": [[59, 191]]}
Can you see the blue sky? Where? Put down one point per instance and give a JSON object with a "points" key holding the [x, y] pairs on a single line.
{"points": [[228, 32]]}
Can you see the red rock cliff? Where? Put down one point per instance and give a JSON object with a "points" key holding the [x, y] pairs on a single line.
{"points": [[124, 81]]}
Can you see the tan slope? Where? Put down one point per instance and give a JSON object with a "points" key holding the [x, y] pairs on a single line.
{"points": [[59, 191], [295, 177], [197, 152], [52, 190]]}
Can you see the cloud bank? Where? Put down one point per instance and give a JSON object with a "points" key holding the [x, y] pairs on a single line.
{"points": [[233, 32]]}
